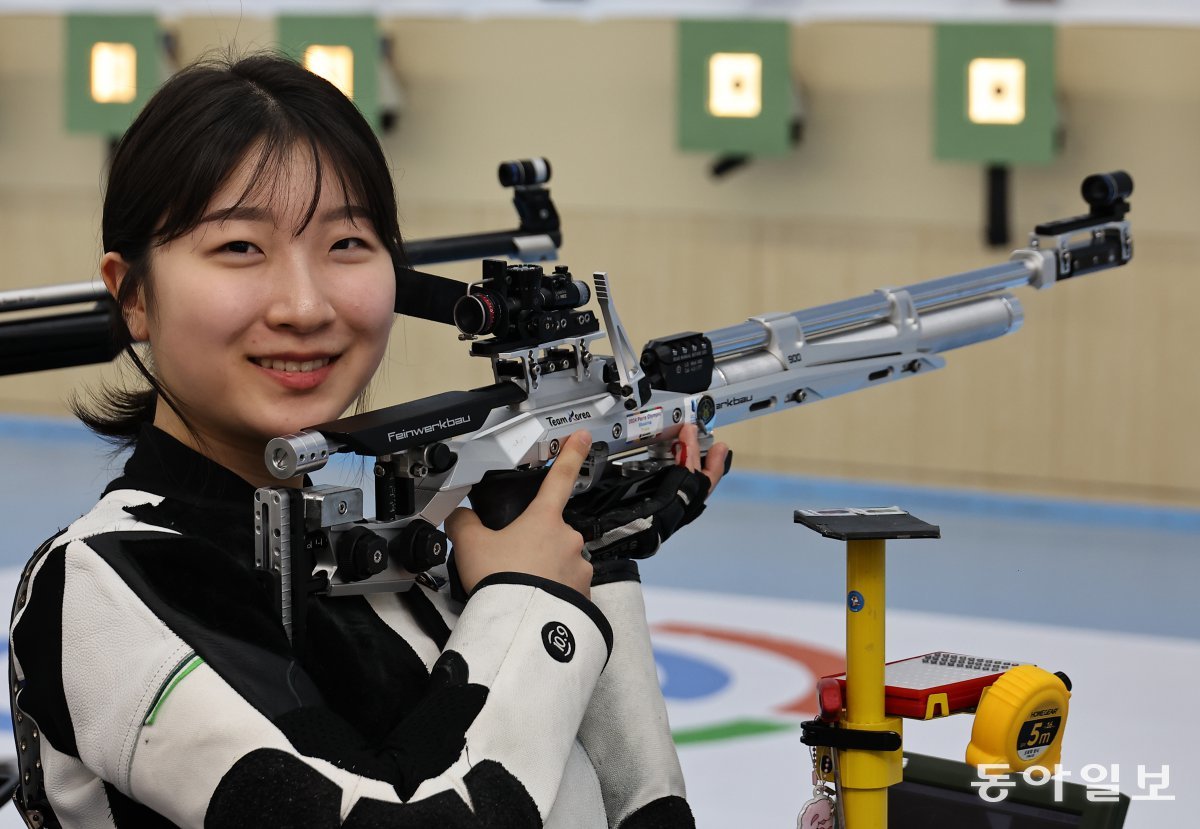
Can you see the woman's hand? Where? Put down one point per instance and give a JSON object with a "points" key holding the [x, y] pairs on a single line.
{"points": [[687, 454], [538, 542], [629, 517]]}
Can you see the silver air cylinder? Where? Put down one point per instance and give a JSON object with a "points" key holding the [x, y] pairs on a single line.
{"points": [[970, 323], [941, 329], [744, 367], [863, 311]]}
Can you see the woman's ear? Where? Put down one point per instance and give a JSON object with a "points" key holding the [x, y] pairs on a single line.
{"points": [[114, 269]]}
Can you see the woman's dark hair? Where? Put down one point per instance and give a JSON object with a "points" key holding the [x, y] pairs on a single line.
{"points": [[190, 137]]}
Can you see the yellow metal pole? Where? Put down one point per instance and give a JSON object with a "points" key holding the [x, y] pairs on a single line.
{"points": [[866, 571], [866, 775]]}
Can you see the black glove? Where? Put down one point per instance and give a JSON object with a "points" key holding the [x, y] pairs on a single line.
{"points": [[628, 517]]}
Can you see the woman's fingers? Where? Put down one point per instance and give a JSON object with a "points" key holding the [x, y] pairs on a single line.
{"points": [[539, 542], [687, 447], [687, 454], [714, 465], [556, 489], [461, 524]]}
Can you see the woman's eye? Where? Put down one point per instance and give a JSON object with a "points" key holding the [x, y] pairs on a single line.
{"points": [[239, 247], [349, 243]]}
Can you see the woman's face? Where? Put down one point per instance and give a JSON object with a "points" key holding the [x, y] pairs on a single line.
{"points": [[259, 331]]}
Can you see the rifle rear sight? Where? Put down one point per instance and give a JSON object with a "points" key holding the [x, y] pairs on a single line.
{"points": [[521, 307]]}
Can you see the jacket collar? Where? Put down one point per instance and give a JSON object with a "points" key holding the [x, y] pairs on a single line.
{"points": [[165, 466]]}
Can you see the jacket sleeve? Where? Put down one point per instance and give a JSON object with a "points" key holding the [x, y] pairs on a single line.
{"points": [[625, 729], [148, 709]]}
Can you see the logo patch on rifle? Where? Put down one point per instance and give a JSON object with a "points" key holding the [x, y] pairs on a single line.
{"points": [[569, 417], [735, 401], [559, 641], [428, 428], [644, 425]]}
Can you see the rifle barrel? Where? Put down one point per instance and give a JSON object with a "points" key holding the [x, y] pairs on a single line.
{"points": [[23, 299]]}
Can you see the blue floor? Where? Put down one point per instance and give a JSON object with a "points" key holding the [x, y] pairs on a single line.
{"points": [[1101, 566]]}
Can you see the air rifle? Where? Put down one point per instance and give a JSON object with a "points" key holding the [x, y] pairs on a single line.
{"points": [[431, 454]]}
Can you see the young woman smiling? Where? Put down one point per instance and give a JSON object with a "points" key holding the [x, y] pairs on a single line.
{"points": [[250, 237]]}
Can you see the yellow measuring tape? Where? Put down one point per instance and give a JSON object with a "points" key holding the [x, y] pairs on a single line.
{"points": [[1020, 721]]}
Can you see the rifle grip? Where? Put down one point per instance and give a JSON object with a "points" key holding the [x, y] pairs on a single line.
{"points": [[498, 499], [501, 496]]}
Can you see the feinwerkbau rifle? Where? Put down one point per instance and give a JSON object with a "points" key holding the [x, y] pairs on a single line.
{"points": [[431, 454]]}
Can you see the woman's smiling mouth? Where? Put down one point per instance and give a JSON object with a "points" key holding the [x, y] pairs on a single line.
{"points": [[296, 372], [290, 365]]}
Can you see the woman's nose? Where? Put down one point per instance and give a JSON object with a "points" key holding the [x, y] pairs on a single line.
{"points": [[299, 299]]}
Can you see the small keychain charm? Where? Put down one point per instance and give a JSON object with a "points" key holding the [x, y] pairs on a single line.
{"points": [[818, 812]]}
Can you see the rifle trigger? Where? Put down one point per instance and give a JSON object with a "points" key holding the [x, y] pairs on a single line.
{"points": [[592, 469]]}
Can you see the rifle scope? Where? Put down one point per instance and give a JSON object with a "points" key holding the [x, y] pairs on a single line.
{"points": [[514, 301]]}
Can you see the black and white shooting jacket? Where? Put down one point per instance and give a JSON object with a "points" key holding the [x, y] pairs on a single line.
{"points": [[155, 685]]}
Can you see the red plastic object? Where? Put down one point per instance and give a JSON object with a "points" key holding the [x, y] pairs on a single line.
{"points": [[909, 683], [829, 698]]}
